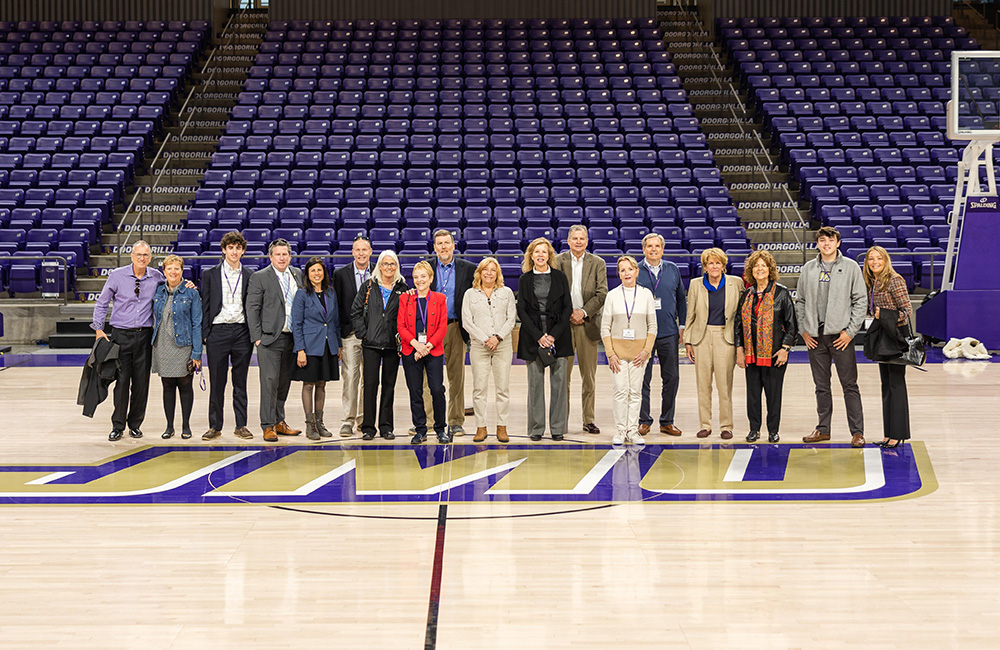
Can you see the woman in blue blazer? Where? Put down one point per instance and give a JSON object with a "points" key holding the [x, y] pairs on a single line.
{"points": [[316, 336]]}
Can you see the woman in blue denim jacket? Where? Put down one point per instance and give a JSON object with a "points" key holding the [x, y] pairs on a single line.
{"points": [[176, 342]]}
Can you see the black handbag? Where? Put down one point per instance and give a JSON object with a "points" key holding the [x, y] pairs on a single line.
{"points": [[547, 356], [914, 355]]}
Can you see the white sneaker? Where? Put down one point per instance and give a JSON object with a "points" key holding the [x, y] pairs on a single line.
{"points": [[634, 438], [619, 439]]}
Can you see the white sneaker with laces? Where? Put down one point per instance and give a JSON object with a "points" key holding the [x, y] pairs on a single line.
{"points": [[634, 438], [619, 439]]}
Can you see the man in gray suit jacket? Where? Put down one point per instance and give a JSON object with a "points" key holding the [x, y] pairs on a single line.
{"points": [[269, 310], [588, 288]]}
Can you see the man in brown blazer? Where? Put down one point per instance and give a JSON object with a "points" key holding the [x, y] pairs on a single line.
{"points": [[588, 284]]}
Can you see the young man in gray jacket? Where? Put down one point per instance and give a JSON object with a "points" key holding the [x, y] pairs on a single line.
{"points": [[830, 308]]}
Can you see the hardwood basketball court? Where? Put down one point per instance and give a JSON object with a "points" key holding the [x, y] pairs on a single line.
{"points": [[345, 545]]}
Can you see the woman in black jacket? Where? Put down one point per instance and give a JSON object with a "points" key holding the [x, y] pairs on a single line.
{"points": [[373, 315], [764, 333], [544, 307]]}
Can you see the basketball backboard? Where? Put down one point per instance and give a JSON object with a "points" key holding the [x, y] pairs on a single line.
{"points": [[975, 92]]}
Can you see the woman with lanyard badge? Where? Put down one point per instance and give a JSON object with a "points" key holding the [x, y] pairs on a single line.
{"points": [[422, 324], [316, 335], [628, 328], [373, 315]]}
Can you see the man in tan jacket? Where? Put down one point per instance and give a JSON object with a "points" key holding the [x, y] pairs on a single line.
{"points": [[588, 285]]}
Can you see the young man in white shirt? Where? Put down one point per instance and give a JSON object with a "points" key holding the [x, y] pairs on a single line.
{"points": [[227, 338]]}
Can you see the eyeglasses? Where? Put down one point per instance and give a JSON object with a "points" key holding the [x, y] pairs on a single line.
{"points": [[142, 256], [137, 287], [388, 265], [361, 237]]}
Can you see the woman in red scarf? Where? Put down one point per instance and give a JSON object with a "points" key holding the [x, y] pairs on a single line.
{"points": [[765, 331]]}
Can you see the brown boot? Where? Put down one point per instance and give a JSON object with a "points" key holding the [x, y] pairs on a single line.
{"points": [[502, 434], [283, 429], [480, 434], [270, 435]]}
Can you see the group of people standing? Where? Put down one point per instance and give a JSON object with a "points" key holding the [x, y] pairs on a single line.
{"points": [[365, 320]]}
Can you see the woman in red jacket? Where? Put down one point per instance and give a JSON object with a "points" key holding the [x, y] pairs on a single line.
{"points": [[422, 323]]}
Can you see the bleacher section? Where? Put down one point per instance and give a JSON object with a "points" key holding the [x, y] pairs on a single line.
{"points": [[80, 106], [501, 131], [857, 108]]}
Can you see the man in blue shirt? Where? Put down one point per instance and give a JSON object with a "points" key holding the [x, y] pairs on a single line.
{"points": [[664, 280], [452, 277], [131, 289]]}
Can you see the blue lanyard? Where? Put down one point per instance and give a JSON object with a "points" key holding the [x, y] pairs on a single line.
{"points": [[628, 312], [232, 289], [657, 279], [423, 311]]}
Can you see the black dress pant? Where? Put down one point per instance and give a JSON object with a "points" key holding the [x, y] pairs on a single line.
{"points": [[135, 357], [378, 365], [895, 403], [228, 343], [666, 349], [770, 379], [414, 370]]}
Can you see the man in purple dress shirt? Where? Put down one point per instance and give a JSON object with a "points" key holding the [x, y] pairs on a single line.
{"points": [[131, 289]]}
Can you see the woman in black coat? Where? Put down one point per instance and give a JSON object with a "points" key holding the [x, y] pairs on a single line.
{"points": [[764, 330], [544, 307], [373, 315]]}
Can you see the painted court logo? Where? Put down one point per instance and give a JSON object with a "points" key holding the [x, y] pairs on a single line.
{"points": [[468, 473]]}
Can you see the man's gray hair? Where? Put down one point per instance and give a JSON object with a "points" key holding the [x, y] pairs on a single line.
{"points": [[663, 242], [578, 228]]}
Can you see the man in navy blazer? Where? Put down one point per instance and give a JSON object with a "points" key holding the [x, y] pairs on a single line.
{"points": [[226, 335]]}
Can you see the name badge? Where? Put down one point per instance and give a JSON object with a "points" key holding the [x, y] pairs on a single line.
{"points": [[656, 303], [628, 334], [868, 323], [422, 338]]}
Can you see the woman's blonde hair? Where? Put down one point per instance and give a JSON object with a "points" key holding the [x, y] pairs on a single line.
{"points": [[426, 266], [528, 264], [381, 256], [626, 258], [717, 253], [881, 280], [172, 259], [477, 277], [756, 256]]}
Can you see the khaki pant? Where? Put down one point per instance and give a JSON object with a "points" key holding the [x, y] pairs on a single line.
{"points": [[713, 356], [350, 377], [454, 361], [485, 364], [586, 358]]}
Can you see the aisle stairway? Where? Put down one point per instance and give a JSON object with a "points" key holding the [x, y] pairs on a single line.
{"points": [[163, 194]]}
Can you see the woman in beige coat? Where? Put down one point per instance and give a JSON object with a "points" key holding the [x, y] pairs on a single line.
{"points": [[708, 338]]}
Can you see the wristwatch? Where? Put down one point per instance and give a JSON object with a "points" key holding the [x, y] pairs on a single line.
{"points": [[786, 348], [499, 338]]}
